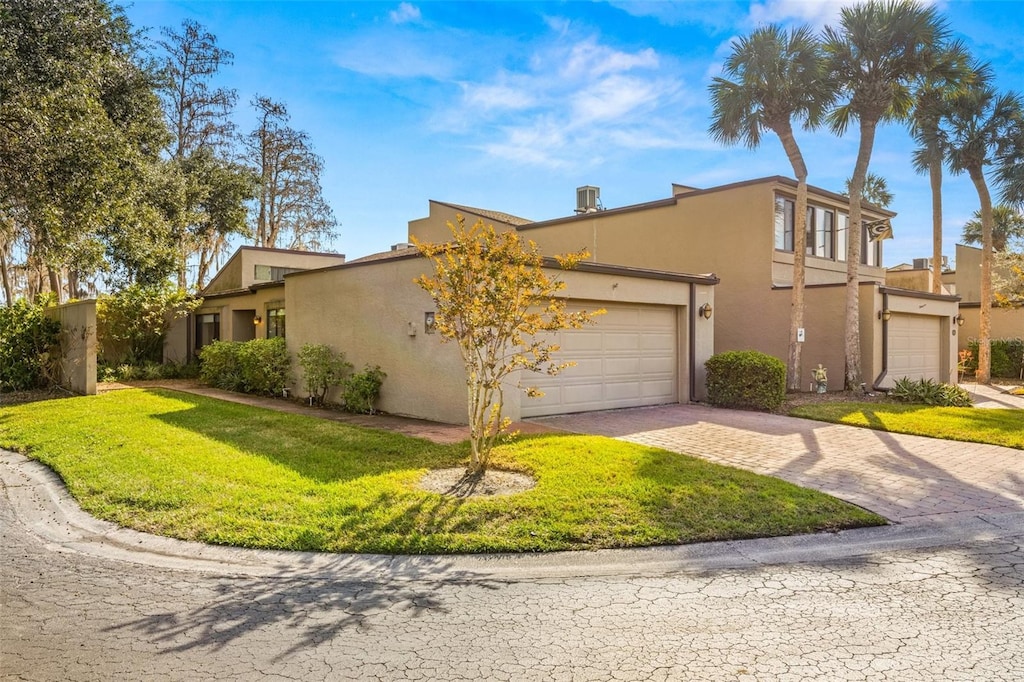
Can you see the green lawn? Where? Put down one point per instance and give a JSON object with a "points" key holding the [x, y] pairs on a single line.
{"points": [[975, 425], [202, 469]]}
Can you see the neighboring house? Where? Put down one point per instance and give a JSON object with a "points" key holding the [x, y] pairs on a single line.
{"points": [[965, 281], [743, 232], [245, 300]]}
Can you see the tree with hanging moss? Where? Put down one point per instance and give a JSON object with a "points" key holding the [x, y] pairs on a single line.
{"points": [[497, 301]]}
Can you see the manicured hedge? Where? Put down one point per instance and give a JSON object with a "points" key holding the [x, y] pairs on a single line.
{"points": [[1007, 357], [259, 366], [746, 379]]}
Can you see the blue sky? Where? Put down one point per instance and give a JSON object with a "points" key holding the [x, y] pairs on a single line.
{"points": [[512, 105]]}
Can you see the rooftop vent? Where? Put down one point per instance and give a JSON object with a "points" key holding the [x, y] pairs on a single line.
{"points": [[401, 246], [926, 263], [588, 199]]}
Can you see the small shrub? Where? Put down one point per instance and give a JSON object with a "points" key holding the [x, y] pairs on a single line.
{"points": [[259, 366], [220, 367], [147, 370], [265, 365], [28, 346], [361, 390], [132, 323], [322, 369], [929, 392], [746, 379]]}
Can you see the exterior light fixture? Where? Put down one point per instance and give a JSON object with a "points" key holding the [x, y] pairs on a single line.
{"points": [[959, 319], [257, 319], [885, 315], [705, 311], [428, 322]]}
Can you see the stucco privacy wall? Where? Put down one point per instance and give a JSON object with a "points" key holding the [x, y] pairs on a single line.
{"points": [[1006, 323], [375, 315], [78, 345]]}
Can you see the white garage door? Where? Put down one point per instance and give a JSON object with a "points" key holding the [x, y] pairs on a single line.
{"points": [[914, 347], [627, 358]]}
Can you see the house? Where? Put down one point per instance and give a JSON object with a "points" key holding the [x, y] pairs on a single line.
{"points": [[662, 323], [244, 300], [965, 281], [648, 349], [743, 232]]}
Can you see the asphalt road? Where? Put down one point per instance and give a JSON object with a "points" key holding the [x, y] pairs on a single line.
{"points": [[955, 613]]}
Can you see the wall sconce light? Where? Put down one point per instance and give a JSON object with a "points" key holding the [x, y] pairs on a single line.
{"points": [[257, 319], [885, 315], [428, 322], [705, 311], [959, 319]]}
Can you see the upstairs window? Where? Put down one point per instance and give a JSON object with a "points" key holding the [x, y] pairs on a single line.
{"points": [[784, 223], [271, 273]]}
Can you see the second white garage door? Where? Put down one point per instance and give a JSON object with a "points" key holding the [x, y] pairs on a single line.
{"points": [[914, 347], [627, 358]]}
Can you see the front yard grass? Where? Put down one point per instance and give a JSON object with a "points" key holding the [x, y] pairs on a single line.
{"points": [[201, 469], [975, 425]]}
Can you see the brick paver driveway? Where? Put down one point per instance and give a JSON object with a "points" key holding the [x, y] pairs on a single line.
{"points": [[904, 478]]}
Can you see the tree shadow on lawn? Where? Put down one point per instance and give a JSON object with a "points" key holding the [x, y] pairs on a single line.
{"points": [[321, 450]]}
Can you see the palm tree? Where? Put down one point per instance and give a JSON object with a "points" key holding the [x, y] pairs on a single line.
{"points": [[1007, 224], [775, 77], [971, 135], [876, 54], [875, 191], [952, 74]]}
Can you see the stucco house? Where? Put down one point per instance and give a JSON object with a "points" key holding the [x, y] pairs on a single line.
{"points": [[662, 323], [743, 232], [648, 349], [965, 281], [244, 300]]}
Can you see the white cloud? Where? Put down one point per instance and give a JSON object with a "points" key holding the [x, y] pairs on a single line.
{"points": [[406, 13], [389, 55], [572, 101], [817, 13]]}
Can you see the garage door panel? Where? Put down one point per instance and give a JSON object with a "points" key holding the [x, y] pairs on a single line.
{"points": [[915, 343], [627, 358], [583, 340]]}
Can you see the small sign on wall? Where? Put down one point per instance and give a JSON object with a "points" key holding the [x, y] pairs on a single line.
{"points": [[800, 336]]}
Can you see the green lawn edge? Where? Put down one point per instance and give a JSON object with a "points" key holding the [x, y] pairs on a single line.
{"points": [[1004, 427], [196, 468]]}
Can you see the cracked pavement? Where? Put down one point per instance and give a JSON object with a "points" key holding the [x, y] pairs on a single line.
{"points": [[84, 600]]}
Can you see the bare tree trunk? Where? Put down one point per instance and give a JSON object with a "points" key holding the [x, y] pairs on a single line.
{"points": [[55, 286], [796, 316], [984, 373], [935, 177], [854, 229], [8, 291]]}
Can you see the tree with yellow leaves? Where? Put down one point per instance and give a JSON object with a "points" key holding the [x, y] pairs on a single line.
{"points": [[495, 299]]}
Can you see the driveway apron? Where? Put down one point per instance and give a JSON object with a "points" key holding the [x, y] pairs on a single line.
{"points": [[904, 478]]}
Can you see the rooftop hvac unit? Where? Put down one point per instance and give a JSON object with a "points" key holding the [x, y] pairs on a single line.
{"points": [[588, 199], [926, 263]]}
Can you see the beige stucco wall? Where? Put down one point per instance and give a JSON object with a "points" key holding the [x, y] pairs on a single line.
{"points": [[375, 315], [78, 345], [240, 270], [1006, 323], [967, 276], [434, 227], [919, 280]]}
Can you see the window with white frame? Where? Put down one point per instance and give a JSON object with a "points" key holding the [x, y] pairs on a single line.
{"points": [[827, 233]]}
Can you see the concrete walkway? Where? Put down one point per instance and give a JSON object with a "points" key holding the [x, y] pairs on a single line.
{"points": [[904, 478]]}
